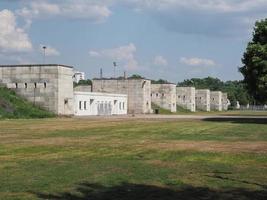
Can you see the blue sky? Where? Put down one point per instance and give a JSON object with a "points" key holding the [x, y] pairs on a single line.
{"points": [[169, 39]]}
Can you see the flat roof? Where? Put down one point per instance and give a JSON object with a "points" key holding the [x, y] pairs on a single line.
{"points": [[37, 65], [99, 94], [120, 79]]}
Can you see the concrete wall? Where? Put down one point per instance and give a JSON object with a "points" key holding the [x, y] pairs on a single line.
{"points": [[216, 100], [185, 97], [83, 88], [225, 101], [88, 103], [164, 96], [48, 86], [203, 100], [137, 90]]}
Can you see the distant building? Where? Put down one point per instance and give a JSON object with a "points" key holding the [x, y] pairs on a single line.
{"points": [[216, 100], [164, 96], [90, 104], [137, 90], [78, 76], [203, 100], [185, 97], [225, 101], [49, 86]]}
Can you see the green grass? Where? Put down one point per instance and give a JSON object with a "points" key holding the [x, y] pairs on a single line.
{"points": [[13, 106], [132, 159]]}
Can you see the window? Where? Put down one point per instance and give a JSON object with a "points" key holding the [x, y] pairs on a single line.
{"points": [[123, 106], [44, 84], [16, 85], [157, 94], [163, 94], [120, 105], [85, 105], [184, 97], [26, 85], [91, 101], [35, 85], [80, 105]]}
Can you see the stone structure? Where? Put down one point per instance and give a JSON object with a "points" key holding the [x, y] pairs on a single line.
{"points": [[83, 88], [225, 101], [185, 97], [216, 100], [164, 96], [88, 103], [48, 86], [203, 100], [137, 90], [78, 76]]}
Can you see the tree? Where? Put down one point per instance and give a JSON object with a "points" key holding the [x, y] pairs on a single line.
{"points": [[254, 69], [160, 81], [82, 82], [136, 76]]}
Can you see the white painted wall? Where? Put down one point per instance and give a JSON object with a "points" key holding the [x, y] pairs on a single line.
{"points": [[91, 103], [78, 76]]}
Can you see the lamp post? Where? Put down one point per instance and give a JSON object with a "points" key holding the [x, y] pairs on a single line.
{"points": [[44, 48], [115, 65]]}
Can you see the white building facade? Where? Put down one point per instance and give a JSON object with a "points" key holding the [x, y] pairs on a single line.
{"points": [[93, 104], [78, 76]]}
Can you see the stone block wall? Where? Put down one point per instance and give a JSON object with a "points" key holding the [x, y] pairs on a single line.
{"points": [[225, 101], [203, 100], [164, 96], [216, 100], [185, 97], [137, 90], [48, 86]]}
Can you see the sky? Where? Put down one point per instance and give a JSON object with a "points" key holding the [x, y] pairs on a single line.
{"points": [[168, 39]]}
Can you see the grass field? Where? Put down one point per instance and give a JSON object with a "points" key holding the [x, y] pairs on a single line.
{"points": [[133, 159]]}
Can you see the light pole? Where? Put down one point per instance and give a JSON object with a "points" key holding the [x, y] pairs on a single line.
{"points": [[115, 65], [44, 48]]}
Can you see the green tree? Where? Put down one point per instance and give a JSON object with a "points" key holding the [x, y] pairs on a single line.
{"points": [[136, 76], [254, 69], [83, 82], [160, 81]]}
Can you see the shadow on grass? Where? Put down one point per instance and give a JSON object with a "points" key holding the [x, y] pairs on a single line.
{"points": [[126, 191], [238, 120]]}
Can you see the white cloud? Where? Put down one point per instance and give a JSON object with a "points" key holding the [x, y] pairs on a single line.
{"points": [[207, 5], [196, 62], [12, 38], [94, 54], [49, 51], [160, 61], [123, 54], [78, 9], [204, 17]]}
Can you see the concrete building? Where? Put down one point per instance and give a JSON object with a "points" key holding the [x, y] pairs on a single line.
{"points": [[216, 100], [137, 90], [164, 96], [203, 100], [225, 101], [78, 76], [185, 97], [88, 103], [48, 86]]}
